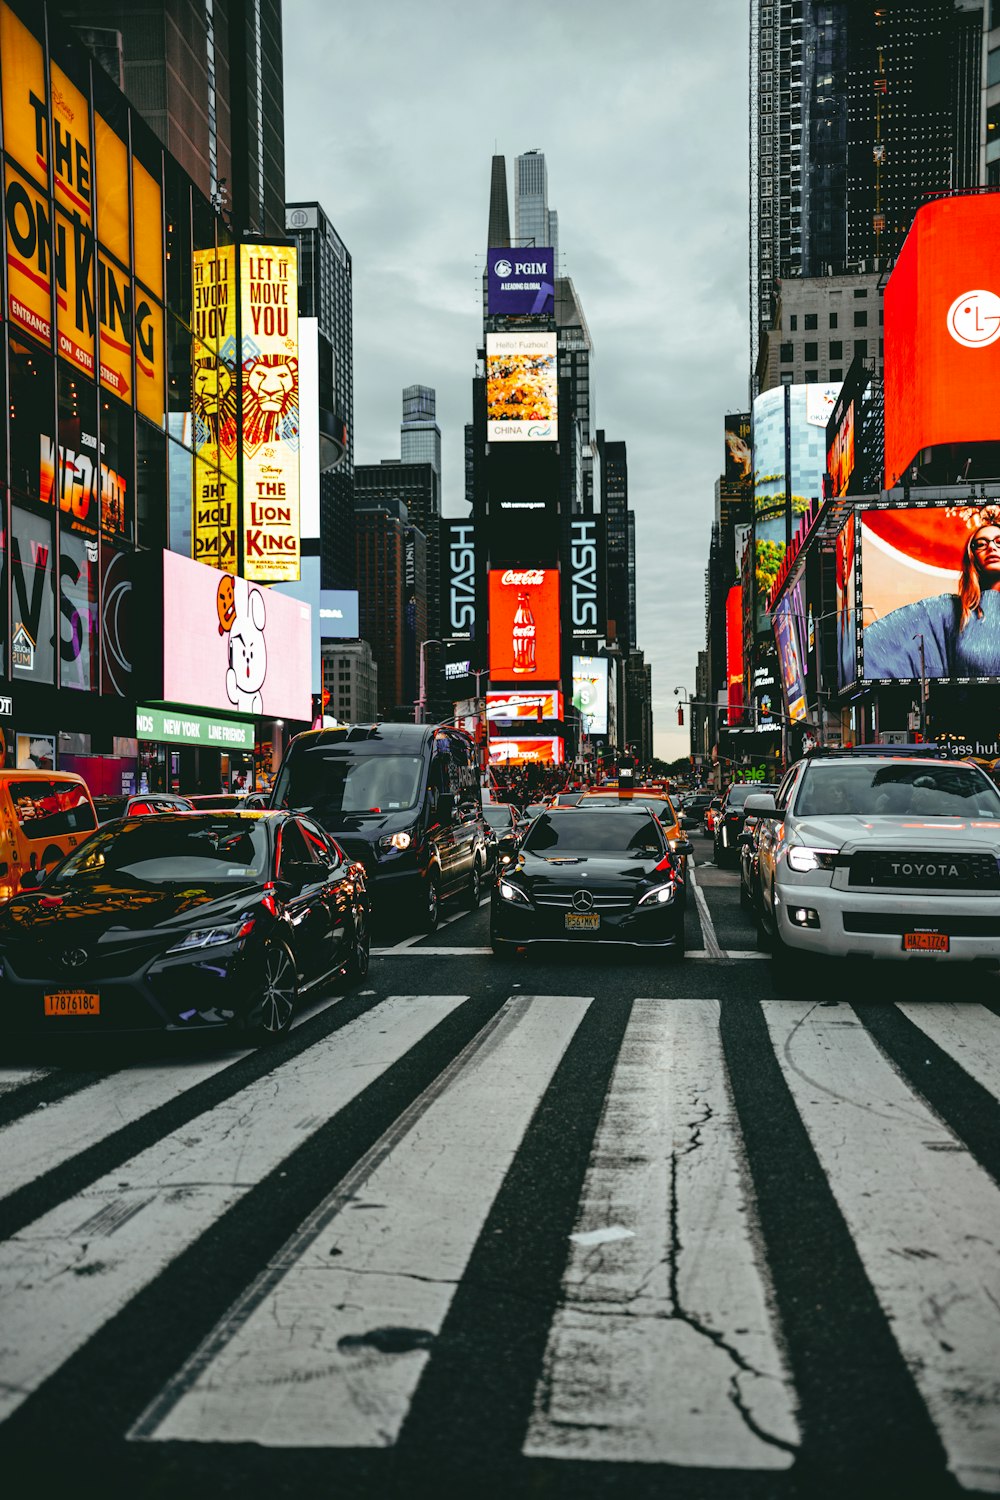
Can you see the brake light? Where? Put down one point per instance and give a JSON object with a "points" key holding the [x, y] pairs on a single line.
{"points": [[666, 865], [269, 900]]}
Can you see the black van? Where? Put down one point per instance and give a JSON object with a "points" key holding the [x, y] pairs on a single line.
{"points": [[404, 799]]}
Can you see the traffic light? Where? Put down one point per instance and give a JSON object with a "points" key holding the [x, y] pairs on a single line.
{"points": [[680, 714]]}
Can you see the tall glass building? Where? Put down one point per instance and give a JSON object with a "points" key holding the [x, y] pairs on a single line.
{"points": [[419, 433], [533, 219]]}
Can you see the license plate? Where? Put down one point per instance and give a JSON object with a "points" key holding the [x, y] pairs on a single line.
{"points": [[73, 1003], [582, 921], [925, 942]]}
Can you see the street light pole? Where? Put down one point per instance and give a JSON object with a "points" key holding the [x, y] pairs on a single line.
{"points": [[420, 712]]}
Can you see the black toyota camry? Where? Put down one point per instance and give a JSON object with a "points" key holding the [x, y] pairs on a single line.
{"points": [[583, 877], [184, 922]]}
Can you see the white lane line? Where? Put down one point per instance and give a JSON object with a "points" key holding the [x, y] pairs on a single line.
{"points": [[970, 1034], [16, 1078], [663, 1341], [712, 945], [924, 1216], [302, 1368], [66, 1274], [428, 952]]}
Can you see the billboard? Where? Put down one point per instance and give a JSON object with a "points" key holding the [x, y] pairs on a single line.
{"points": [[458, 580], [520, 280], [214, 408], [734, 653], [521, 388], [231, 646], [585, 620], [540, 752], [942, 330], [846, 583], [547, 703], [269, 408], [524, 624], [738, 456], [590, 692], [790, 658], [930, 593]]}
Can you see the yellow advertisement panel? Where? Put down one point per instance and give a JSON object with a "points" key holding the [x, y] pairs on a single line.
{"points": [[150, 363], [147, 214], [25, 123], [71, 165], [214, 395], [213, 315], [112, 191], [74, 261], [269, 395], [29, 257], [115, 292]]}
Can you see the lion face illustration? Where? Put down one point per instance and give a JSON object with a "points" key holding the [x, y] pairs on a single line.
{"points": [[270, 398]]}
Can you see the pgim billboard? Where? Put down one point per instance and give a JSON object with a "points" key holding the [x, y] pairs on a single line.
{"points": [[522, 388], [520, 280], [269, 412]]}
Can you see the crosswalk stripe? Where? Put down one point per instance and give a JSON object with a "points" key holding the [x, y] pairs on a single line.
{"points": [[16, 1078], [970, 1034], [69, 1272], [662, 1350], [306, 1364], [925, 1220]]}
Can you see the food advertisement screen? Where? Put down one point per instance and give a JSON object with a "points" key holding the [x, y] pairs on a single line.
{"points": [[930, 583], [521, 388], [541, 752], [230, 645], [524, 625], [590, 692]]}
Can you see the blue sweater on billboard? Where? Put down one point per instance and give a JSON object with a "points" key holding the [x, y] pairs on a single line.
{"points": [[891, 651]]}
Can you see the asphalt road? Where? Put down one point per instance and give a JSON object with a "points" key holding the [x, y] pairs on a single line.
{"points": [[552, 1228]]}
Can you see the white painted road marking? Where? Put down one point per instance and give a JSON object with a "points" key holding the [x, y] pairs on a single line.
{"points": [[66, 1274], [305, 1367], [924, 1216], [970, 1034], [662, 1350], [712, 945]]}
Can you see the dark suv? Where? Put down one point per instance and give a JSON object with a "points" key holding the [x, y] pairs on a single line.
{"points": [[729, 820]]}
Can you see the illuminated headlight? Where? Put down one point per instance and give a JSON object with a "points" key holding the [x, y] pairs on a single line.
{"points": [[658, 896], [803, 858], [213, 937], [511, 892], [395, 841], [505, 859]]}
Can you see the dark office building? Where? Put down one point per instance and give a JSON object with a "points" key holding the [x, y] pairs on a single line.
{"points": [[326, 293], [614, 506], [639, 706], [380, 541], [207, 76]]}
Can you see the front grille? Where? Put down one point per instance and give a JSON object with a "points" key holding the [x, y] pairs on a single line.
{"points": [[915, 869], [895, 924], [564, 901], [103, 961]]}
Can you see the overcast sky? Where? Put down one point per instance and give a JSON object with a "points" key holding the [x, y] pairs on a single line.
{"points": [[393, 112]]}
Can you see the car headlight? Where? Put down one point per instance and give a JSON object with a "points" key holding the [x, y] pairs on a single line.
{"points": [[213, 937], [400, 841], [658, 896], [511, 892], [803, 858]]}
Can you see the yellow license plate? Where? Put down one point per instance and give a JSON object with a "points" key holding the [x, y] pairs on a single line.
{"points": [[582, 921], [925, 942], [73, 1003]]}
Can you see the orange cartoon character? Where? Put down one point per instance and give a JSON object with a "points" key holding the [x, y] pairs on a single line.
{"points": [[225, 603]]}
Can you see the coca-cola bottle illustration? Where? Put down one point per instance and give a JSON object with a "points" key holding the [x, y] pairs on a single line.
{"points": [[524, 636]]}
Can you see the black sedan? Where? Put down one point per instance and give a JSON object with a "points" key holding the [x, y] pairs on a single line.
{"points": [[729, 820], [183, 924], [584, 877], [502, 834]]}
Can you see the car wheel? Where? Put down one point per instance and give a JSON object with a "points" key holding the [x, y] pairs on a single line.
{"points": [[430, 912], [356, 968], [474, 889], [279, 996]]}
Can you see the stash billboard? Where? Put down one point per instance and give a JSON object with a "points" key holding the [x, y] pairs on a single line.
{"points": [[584, 599], [942, 331], [458, 574], [269, 411], [521, 388], [520, 281], [231, 646], [524, 624]]}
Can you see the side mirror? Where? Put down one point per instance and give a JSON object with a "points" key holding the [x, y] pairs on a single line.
{"points": [[682, 846], [32, 879], [761, 804], [745, 840]]}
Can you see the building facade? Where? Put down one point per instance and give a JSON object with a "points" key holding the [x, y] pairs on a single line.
{"points": [[350, 680], [821, 324], [534, 222]]}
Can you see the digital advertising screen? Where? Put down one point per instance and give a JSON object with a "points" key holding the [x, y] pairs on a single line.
{"points": [[734, 652], [547, 703], [766, 698], [846, 582], [540, 752], [590, 692], [521, 388], [793, 678], [458, 580], [930, 602], [520, 281], [524, 624], [738, 456], [523, 527], [942, 330], [230, 645]]}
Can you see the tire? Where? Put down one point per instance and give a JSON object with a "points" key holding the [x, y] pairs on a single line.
{"points": [[356, 968], [429, 915], [503, 951], [279, 997], [474, 889]]}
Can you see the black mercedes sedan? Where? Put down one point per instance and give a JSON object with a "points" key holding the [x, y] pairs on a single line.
{"points": [[584, 877], [183, 923]]}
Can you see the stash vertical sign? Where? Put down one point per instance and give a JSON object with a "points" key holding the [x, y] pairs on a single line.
{"points": [[269, 412]]}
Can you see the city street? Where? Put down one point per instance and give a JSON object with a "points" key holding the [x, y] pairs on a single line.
{"points": [[559, 1228]]}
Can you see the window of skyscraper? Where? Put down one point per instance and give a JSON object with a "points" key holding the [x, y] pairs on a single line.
{"points": [[793, 323], [861, 347], [861, 291], [836, 349], [811, 351], [861, 320], [787, 352], [811, 321], [836, 374], [833, 320]]}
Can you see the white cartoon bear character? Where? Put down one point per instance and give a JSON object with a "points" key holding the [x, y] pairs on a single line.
{"points": [[247, 651]]}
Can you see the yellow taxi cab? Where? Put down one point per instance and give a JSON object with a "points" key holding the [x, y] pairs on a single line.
{"points": [[43, 815]]}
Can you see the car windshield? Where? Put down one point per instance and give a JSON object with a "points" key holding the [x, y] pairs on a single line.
{"points": [[327, 780], [497, 817], [203, 850], [739, 794], [48, 809], [910, 790], [584, 832]]}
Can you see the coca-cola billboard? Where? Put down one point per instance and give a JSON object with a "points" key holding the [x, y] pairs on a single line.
{"points": [[524, 625]]}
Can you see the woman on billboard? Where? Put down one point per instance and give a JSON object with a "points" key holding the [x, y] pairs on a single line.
{"points": [[960, 632]]}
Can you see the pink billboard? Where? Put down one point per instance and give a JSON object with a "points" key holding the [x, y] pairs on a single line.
{"points": [[231, 645]]}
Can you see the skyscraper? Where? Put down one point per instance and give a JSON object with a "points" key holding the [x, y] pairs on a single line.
{"points": [[207, 76], [534, 222], [419, 433]]}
